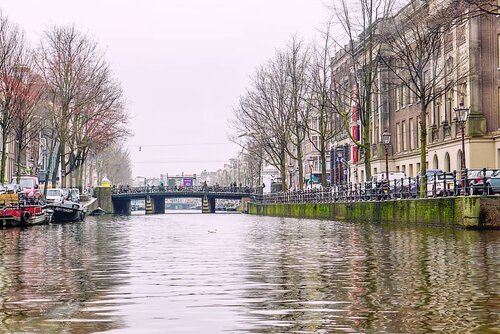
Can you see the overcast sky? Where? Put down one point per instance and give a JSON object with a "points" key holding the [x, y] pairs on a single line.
{"points": [[183, 65]]}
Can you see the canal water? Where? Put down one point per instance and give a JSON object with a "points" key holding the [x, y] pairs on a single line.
{"points": [[234, 273]]}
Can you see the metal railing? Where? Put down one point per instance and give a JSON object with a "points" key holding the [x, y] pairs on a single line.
{"points": [[434, 185]]}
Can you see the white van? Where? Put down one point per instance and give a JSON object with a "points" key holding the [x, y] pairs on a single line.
{"points": [[54, 195], [379, 177]]}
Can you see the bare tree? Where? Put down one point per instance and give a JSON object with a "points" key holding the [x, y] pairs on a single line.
{"points": [[297, 61], [13, 91], [114, 163], [71, 64], [358, 21], [97, 124], [415, 47], [320, 100], [27, 121], [263, 113]]}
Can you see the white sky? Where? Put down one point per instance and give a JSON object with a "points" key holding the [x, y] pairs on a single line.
{"points": [[183, 64]]}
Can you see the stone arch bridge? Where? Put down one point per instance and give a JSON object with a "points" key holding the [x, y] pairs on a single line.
{"points": [[119, 200]]}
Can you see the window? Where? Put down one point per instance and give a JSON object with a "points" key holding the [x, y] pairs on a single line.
{"points": [[412, 134], [410, 170], [315, 142], [398, 137], [418, 131], [449, 108], [498, 51], [462, 88], [314, 123], [437, 113], [401, 93], [404, 135]]}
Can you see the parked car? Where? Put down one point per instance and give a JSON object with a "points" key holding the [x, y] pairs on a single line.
{"points": [[30, 188], [54, 195], [493, 183], [476, 180], [440, 184], [409, 188], [378, 187]]}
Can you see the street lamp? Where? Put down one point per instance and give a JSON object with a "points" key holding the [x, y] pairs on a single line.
{"points": [[386, 139], [332, 165], [290, 172], [462, 112], [311, 162], [340, 153]]}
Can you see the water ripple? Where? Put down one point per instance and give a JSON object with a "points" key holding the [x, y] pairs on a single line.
{"points": [[169, 273]]}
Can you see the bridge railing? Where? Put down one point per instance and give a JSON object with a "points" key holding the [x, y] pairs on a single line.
{"points": [[163, 189]]}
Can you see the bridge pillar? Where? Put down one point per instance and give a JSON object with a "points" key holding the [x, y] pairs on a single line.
{"points": [[104, 200], [122, 206], [149, 205], [158, 205], [211, 204], [244, 204], [208, 204]]}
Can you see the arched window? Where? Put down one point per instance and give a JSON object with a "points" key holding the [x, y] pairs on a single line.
{"points": [[447, 162], [435, 162]]}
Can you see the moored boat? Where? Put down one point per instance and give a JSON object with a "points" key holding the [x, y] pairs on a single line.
{"points": [[97, 212], [67, 211], [24, 215]]}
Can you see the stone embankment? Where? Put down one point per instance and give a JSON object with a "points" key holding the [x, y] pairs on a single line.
{"points": [[470, 212]]}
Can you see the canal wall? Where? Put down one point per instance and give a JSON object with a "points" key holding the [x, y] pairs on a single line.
{"points": [[470, 212]]}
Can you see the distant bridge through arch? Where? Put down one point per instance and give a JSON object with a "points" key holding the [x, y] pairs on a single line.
{"points": [[155, 196]]}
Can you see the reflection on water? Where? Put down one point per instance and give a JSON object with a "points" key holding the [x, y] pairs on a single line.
{"points": [[193, 273]]}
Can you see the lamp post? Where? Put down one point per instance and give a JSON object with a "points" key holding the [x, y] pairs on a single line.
{"points": [[386, 139], [290, 172], [332, 165], [340, 153], [311, 162], [462, 112]]}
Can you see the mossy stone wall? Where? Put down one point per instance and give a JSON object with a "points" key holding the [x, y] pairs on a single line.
{"points": [[466, 212]]}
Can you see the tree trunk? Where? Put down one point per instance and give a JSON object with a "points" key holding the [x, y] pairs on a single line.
{"points": [[63, 164], [4, 159], [368, 152], [324, 183], [47, 172], [18, 159], [284, 181], [56, 168], [423, 148]]}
